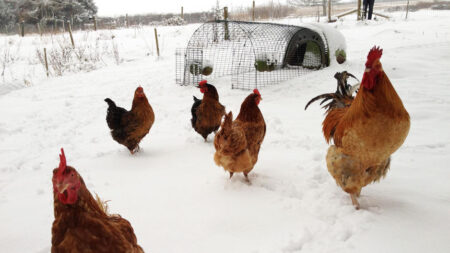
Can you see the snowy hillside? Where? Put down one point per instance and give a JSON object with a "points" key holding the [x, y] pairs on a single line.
{"points": [[174, 195]]}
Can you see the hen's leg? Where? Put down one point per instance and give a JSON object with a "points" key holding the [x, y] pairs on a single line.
{"points": [[354, 201], [231, 174], [136, 149], [246, 177]]}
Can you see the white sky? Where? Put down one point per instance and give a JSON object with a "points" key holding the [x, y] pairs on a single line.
{"points": [[122, 7]]}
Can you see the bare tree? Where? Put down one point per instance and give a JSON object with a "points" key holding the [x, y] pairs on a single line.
{"points": [[322, 3]]}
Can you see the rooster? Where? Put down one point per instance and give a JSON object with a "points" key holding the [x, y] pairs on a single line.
{"points": [[207, 113], [130, 127], [366, 129], [81, 223], [238, 142]]}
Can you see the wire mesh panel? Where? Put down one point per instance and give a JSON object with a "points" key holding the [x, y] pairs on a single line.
{"points": [[253, 54], [180, 55], [193, 66]]}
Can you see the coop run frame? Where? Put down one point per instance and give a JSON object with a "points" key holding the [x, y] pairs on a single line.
{"points": [[251, 54]]}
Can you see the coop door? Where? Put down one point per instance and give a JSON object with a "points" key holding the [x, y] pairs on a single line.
{"points": [[307, 55]]}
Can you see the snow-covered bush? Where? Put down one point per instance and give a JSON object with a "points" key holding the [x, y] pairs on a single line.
{"points": [[7, 58], [175, 21], [63, 57]]}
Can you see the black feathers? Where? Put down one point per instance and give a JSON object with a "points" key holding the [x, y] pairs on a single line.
{"points": [[114, 115], [343, 95], [196, 104]]}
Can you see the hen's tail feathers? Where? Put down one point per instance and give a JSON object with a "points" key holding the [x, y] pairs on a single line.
{"points": [[343, 95], [110, 102], [227, 122], [194, 108]]}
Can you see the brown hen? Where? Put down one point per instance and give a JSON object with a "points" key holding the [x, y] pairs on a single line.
{"points": [[130, 127], [207, 113], [81, 224], [238, 142]]}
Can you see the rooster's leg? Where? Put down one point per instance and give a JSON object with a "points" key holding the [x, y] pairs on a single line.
{"points": [[354, 201], [231, 174]]}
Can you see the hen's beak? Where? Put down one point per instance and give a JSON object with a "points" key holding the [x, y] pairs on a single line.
{"points": [[62, 188]]}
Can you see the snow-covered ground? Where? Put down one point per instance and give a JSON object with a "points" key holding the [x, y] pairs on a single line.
{"points": [[174, 195]]}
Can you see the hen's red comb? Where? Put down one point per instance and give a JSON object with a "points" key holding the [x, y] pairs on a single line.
{"points": [[62, 161], [202, 83], [375, 53], [256, 91]]}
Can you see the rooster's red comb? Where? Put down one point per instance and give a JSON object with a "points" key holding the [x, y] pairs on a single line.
{"points": [[202, 83], [62, 161], [256, 91], [375, 53]]}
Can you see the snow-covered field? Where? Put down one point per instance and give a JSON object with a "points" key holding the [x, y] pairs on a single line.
{"points": [[174, 195]]}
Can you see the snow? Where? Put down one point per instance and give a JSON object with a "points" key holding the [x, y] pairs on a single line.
{"points": [[174, 195]]}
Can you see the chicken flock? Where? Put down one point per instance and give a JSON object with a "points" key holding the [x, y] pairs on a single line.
{"points": [[365, 129]]}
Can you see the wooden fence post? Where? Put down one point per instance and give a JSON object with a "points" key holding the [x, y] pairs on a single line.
{"points": [[253, 11], [22, 29], [95, 24], [126, 20], [225, 17], [157, 44], [182, 13], [329, 11], [71, 36], [38, 26], [46, 62], [318, 14], [358, 12], [407, 9]]}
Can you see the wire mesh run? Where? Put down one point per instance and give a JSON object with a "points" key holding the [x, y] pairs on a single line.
{"points": [[255, 55]]}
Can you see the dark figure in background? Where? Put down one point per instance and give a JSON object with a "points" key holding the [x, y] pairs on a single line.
{"points": [[368, 3]]}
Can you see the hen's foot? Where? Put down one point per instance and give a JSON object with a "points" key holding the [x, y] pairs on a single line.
{"points": [[135, 150], [246, 178], [354, 201]]}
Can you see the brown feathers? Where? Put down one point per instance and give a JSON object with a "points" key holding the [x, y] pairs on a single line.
{"points": [[208, 112], [86, 227]]}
